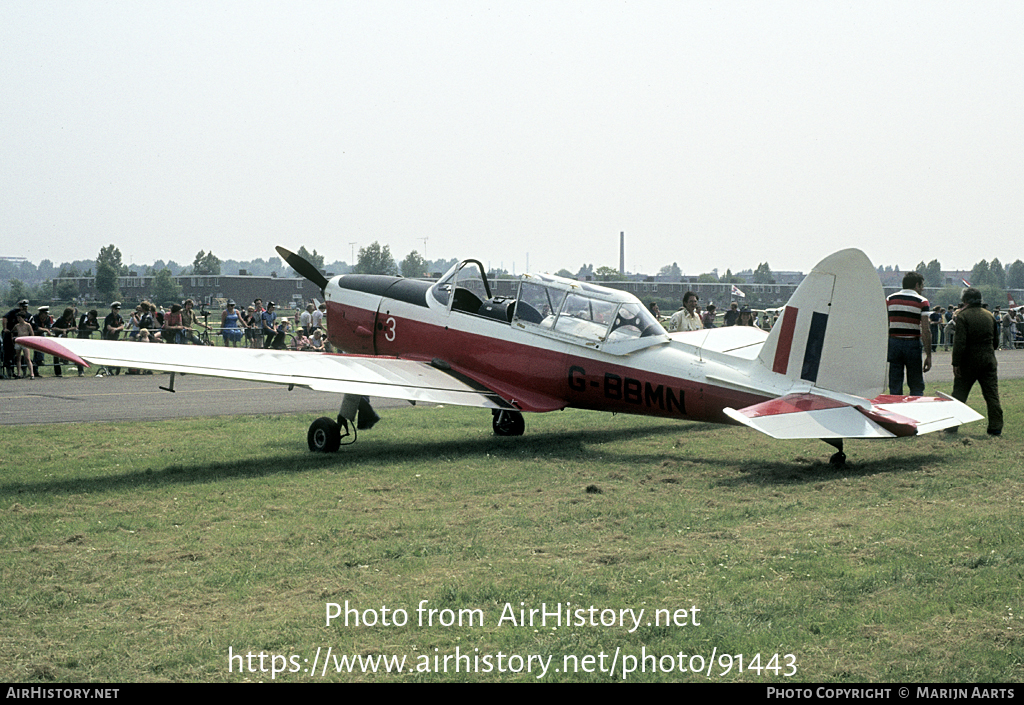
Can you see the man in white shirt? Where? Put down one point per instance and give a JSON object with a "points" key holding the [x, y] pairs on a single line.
{"points": [[688, 317], [306, 320]]}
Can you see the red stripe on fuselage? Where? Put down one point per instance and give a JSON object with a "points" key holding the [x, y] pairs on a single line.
{"points": [[539, 378], [781, 362]]}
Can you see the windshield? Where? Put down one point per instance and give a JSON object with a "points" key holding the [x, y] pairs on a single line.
{"points": [[469, 284], [588, 312]]}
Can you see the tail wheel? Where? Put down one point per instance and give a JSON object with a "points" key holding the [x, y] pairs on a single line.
{"points": [[508, 423], [324, 435]]}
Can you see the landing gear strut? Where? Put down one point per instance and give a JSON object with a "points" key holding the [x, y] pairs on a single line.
{"points": [[838, 459], [507, 423]]}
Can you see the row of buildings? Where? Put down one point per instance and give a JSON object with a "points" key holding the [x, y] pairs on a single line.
{"points": [[290, 292]]}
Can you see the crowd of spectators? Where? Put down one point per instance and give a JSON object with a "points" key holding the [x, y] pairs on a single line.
{"points": [[181, 324], [690, 317]]}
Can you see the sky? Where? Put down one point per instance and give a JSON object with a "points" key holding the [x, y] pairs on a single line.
{"points": [[526, 134]]}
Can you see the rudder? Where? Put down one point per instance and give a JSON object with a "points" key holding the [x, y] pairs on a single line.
{"points": [[833, 330]]}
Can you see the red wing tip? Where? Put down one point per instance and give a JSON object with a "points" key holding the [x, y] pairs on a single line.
{"points": [[52, 347]]}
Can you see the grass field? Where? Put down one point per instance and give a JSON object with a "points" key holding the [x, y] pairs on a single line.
{"points": [[159, 551]]}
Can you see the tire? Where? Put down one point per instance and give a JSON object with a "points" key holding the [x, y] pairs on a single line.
{"points": [[324, 435], [507, 423]]}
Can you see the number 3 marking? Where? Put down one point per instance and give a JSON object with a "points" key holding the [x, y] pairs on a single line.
{"points": [[389, 332]]}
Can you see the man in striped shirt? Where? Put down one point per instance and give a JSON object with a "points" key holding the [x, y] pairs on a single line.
{"points": [[909, 336]]}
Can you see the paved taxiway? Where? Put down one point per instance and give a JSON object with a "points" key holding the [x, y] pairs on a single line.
{"points": [[138, 397]]}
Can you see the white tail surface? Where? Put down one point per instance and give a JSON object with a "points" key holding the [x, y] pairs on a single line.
{"points": [[833, 331]]}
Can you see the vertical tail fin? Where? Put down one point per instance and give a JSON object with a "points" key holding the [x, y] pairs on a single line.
{"points": [[833, 331]]}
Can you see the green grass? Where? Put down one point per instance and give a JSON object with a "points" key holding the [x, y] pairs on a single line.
{"points": [[123, 561]]}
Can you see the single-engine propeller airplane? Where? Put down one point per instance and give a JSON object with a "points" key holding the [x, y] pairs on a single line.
{"points": [[561, 343]]}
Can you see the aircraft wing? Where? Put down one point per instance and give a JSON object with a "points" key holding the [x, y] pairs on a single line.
{"points": [[346, 374], [809, 415]]}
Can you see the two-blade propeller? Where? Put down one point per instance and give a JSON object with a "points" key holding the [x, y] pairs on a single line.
{"points": [[303, 267]]}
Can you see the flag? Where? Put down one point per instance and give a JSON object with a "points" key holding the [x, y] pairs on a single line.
{"points": [[966, 283], [737, 292]]}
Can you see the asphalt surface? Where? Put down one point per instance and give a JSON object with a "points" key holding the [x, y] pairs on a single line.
{"points": [[74, 399]]}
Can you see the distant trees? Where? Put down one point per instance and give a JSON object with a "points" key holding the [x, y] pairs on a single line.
{"points": [[932, 273], [17, 291], [165, 289], [112, 256], [997, 275], [671, 270], [440, 266], [108, 268], [414, 265], [730, 278], [313, 258], [206, 263], [609, 274], [1015, 275], [763, 274], [947, 296], [67, 291], [374, 259], [979, 273]]}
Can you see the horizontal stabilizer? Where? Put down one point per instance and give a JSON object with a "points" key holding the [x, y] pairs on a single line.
{"points": [[817, 416], [927, 413], [808, 416]]}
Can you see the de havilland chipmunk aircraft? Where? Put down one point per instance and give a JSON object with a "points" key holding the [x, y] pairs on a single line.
{"points": [[560, 343]]}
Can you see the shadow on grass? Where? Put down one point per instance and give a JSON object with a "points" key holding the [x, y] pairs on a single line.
{"points": [[287, 458], [799, 473]]}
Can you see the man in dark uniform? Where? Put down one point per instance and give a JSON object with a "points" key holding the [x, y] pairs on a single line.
{"points": [[9, 321], [974, 357], [113, 324], [41, 323]]}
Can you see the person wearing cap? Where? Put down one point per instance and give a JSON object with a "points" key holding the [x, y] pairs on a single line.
{"points": [[63, 327], [231, 324], [974, 358], [10, 320], [41, 324], [746, 318], [113, 324], [257, 323]]}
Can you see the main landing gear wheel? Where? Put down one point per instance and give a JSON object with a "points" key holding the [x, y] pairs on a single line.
{"points": [[324, 435], [507, 423], [838, 459]]}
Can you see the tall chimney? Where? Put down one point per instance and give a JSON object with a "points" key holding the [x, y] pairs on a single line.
{"points": [[622, 252]]}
